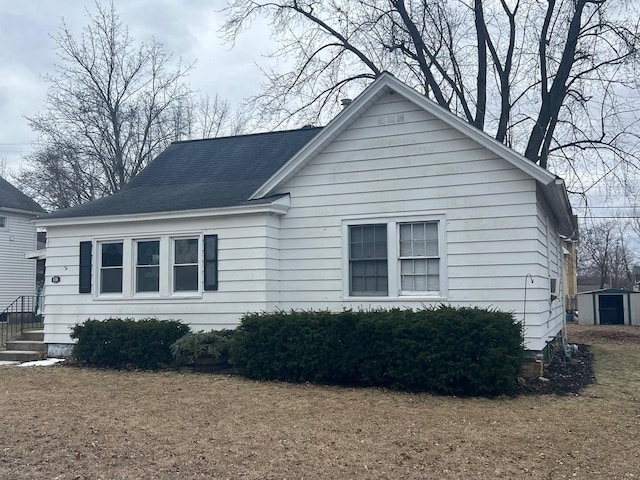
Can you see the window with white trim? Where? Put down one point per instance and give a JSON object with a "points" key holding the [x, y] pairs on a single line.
{"points": [[111, 267], [3, 222], [393, 258], [185, 265], [368, 260], [147, 266], [164, 266], [419, 257]]}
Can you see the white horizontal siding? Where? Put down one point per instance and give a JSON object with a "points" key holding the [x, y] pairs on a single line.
{"points": [[394, 161], [17, 274], [245, 267], [417, 166]]}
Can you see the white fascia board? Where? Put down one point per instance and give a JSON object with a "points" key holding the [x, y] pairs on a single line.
{"points": [[362, 102], [556, 195], [31, 213], [277, 207], [527, 166], [36, 254]]}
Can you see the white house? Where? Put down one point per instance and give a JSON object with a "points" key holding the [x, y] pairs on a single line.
{"points": [[17, 238], [395, 203]]}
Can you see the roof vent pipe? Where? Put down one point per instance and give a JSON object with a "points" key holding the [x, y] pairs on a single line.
{"points": [[345, 102]]}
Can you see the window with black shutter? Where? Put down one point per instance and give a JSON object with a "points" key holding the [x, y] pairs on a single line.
{"points": [[85, 268], [211, 262]]}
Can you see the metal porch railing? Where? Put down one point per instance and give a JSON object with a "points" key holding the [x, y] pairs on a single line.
{"points": [[21, 315]]}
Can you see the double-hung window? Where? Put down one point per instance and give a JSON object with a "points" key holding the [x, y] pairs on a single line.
{"points": [[3, 222], [395, 258], [111, 267], [368, 260], [419, 257], [147, 266], [164, 266], [185, 265]]}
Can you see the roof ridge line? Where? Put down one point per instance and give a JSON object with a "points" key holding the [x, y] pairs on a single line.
{"points": [[305, 128]]}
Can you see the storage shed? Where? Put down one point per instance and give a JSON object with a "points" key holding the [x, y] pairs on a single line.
{"points": [[610, 306]]}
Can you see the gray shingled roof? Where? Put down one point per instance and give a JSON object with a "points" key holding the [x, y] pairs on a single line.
{"points": [[12, 198], [196, 174]]}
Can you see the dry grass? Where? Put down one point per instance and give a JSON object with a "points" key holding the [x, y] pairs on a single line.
{"points": [[68, 423]]}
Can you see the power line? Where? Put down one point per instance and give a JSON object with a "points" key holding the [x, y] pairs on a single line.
{"points": [[623, 206]]}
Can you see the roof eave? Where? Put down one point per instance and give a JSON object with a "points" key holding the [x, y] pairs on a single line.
{"points": [[40, 254], [22, 211], [556, 195], [279, 206]]}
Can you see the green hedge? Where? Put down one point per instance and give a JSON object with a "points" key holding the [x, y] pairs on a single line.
{"points": [[446, 350], [126, 343]]}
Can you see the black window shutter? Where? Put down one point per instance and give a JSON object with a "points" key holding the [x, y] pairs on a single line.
{"points": [[84, 285], [211, 262]]}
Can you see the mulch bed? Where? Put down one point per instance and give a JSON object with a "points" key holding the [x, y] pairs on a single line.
{"points": [[561, 377], [570, 378]]}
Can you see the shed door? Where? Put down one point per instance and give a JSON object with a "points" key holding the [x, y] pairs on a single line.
{"points": [[611, 310]]}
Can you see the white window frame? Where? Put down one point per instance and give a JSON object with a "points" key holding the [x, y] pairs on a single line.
{"points": [[5, 224], [200, 265], [393, 256], [399, 258], [98, 273], [375, 259], [129, 267], [135, 266]]}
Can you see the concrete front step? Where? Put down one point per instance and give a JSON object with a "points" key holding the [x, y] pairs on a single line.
{"points": [[32, 335], [26, 345], [29, 347], [21, 356]]}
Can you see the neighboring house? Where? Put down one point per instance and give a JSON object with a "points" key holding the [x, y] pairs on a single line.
{"points": [[395, 203], [17, 238]]}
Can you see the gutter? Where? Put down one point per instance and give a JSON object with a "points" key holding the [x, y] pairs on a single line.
{"points": [[23, 212], [556, 194], [279, 206]]}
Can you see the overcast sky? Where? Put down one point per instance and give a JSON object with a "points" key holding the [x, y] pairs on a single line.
{"points": [[188, 28]]}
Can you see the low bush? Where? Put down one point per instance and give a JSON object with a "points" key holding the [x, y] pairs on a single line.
{"points": [[444, 350], [192, 347], [126, 343]]}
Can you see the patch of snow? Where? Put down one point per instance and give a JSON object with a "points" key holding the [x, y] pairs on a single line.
{"points": [[42, 363]]}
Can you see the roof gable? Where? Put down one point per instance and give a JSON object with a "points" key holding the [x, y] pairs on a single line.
{"points": [[13, 199], [551, 186], [382, 85]]}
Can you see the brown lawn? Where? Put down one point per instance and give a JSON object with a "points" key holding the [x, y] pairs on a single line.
{"points": [[70, 423]]}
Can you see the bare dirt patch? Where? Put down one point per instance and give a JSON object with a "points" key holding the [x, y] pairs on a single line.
{"points": [[76, 423], [610, 334]]}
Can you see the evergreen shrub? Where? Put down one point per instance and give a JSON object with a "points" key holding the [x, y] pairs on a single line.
{"points": [[126, 343], [195, 346], [443, 350]]}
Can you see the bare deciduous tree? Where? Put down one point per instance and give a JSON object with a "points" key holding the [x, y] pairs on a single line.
{"points": [[547, 78], [604, 254], [112, 106]]}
